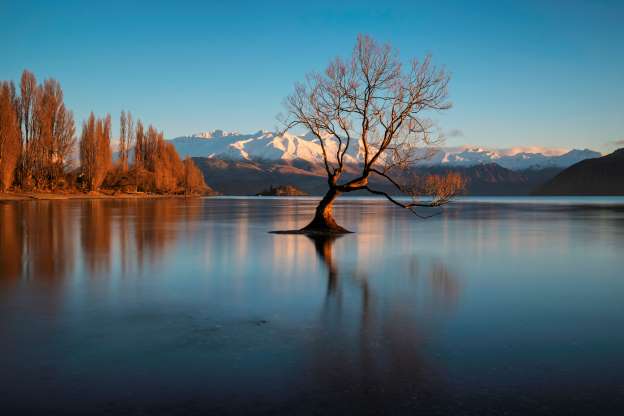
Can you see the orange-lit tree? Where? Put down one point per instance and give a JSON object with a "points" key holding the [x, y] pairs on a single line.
{"points": [[38, 141], [10, 144], [95, 151], [375, 105], [192, 179], [54, 138]]}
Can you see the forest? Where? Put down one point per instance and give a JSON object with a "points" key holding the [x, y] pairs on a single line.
{"points": [[40, 150]]}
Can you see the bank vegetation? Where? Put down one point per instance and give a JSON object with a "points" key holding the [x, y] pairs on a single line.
{"points": [[41, 152]]}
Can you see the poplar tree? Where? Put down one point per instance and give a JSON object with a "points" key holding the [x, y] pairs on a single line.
{"points": [[10, 141]]}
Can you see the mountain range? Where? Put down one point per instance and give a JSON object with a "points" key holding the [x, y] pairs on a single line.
{"points": [[245, 164], [269, 146]]}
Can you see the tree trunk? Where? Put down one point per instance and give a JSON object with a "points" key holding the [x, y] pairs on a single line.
{"points": [[323, 221]]}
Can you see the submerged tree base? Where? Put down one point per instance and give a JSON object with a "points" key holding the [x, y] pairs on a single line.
{"points": [[323, 223], [315, 229], [314, 232]]}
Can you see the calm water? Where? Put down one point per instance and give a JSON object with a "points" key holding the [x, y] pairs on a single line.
{"points": [[495, 306]]}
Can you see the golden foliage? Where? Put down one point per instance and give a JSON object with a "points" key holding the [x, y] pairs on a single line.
{"points": [[193, 181], [438, 188], [443, 187], [10, 148], [47, 133], [37, 140], [95, 151]]}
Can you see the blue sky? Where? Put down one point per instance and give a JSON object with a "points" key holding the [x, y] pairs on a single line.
{"points": [[524, 73]]}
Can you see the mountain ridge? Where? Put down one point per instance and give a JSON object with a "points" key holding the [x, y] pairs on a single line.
{"points": [[268, 146]]}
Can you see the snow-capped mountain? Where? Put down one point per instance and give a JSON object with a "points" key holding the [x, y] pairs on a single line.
{"points": [[513, 159], [261, 145], [270, 146]]}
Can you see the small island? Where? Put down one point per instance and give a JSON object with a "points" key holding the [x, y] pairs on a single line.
{"points": [[282, 190]]}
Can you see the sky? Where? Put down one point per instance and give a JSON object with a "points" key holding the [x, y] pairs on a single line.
{"points": [[524, 73]]}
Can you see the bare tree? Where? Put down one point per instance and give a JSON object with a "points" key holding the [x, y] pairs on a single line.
{"points": [[54, 138], [138, 144], [47, 132], [88, 151], [152, 147], [28, 92], [126, 133], [123, 141], [373, 105]]}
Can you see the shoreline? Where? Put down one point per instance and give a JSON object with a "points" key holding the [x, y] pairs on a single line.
{"points": [[531, 199], [54, 196]]}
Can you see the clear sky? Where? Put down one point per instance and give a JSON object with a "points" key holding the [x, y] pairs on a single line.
{"points": [[524, 73]]}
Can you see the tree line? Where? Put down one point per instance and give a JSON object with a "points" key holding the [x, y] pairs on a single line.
{"points": [[39, 146]]}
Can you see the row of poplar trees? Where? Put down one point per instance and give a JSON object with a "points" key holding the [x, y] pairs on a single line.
{"points": [[38, 146]]}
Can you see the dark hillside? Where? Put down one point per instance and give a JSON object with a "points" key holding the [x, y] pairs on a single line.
{"points": [[600, 176], [247, 177]]}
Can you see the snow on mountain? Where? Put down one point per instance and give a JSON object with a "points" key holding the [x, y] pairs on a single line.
{"points": [[507, 158], [261, 145], [270, 146]]}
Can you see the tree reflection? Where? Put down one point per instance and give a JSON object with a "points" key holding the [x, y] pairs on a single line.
{"points": [[323, 245], [157, 226], [95, 232], [38, 239], [372, 345], [11, 241]]}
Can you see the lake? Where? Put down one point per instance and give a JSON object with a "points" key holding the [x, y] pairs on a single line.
{"points": [[171, 306]]}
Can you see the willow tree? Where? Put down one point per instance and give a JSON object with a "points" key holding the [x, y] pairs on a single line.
{"points": [[376, 106]]}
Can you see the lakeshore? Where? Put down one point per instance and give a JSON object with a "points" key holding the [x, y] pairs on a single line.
{"points": [[53, 196]]}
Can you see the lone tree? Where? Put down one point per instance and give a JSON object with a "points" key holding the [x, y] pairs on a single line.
{"points": [[374, 105]]}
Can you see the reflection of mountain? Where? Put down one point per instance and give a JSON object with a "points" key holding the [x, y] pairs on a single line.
{"points": [[372, 351], [600, 176]]}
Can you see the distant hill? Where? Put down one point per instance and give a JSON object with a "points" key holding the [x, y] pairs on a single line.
{"points": [[493, 179], [599, 176], [246, 177]]}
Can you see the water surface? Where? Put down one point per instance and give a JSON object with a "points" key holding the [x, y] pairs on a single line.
{"points": [[171, 306]]}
